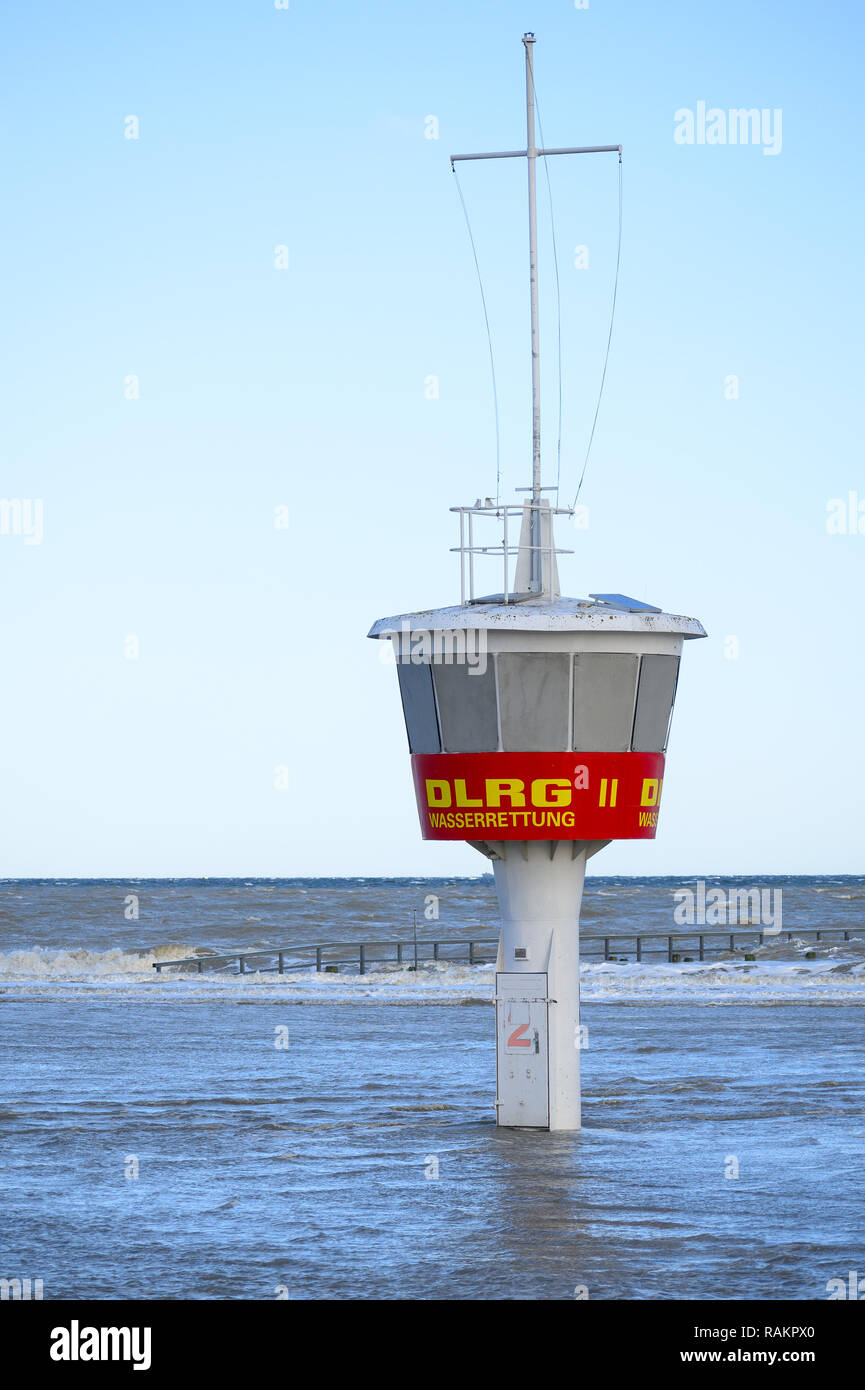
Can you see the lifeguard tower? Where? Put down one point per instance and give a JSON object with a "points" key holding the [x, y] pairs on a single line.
{"points": [[537, 727]]}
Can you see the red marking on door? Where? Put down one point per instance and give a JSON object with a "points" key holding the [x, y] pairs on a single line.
{"points": [[516, 1041]]}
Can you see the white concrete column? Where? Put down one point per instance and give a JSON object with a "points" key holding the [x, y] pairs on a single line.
{"points": [[540, 895]]}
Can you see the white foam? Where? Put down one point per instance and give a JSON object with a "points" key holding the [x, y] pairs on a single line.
{"points": [[79, 963], [834, 978]]}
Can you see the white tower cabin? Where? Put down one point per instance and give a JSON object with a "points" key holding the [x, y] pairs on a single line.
{"points": [[537, 727]]}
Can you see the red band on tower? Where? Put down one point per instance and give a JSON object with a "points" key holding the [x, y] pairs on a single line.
{"points": [[538, 796]]}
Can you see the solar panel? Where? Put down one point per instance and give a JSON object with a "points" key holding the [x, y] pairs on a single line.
{"points": [[628, 605]]}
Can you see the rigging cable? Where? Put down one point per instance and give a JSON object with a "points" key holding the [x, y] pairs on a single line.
{"points": [[489, 337], [609, 339]]}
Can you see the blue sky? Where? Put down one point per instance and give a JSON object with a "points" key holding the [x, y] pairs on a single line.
{"points": [[303, 387]]}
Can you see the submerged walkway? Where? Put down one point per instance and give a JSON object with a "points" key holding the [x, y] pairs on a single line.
{"points": [[332, 956]]}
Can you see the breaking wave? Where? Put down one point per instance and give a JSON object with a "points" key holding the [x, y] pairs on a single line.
{"points": [[836, 976]]}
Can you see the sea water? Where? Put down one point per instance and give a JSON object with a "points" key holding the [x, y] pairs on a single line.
{"points": [[175, 1135]]}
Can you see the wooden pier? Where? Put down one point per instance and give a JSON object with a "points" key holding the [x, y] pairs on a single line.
{"points": [[359, 955]]}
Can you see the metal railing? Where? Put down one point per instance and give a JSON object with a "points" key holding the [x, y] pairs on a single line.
{"points": [[467, 549], [331, 955]]}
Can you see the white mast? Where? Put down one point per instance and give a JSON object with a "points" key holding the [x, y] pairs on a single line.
{"points": [[536, 581], [539, 581]]}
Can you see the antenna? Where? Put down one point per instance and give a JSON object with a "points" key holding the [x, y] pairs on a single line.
{"points": [[535, 586], [537, 583]]}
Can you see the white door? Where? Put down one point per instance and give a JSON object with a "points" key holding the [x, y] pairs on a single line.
{"points": [[522, 1069]]}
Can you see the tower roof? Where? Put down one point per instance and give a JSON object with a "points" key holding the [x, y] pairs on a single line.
{"points": [[608, 613]]}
